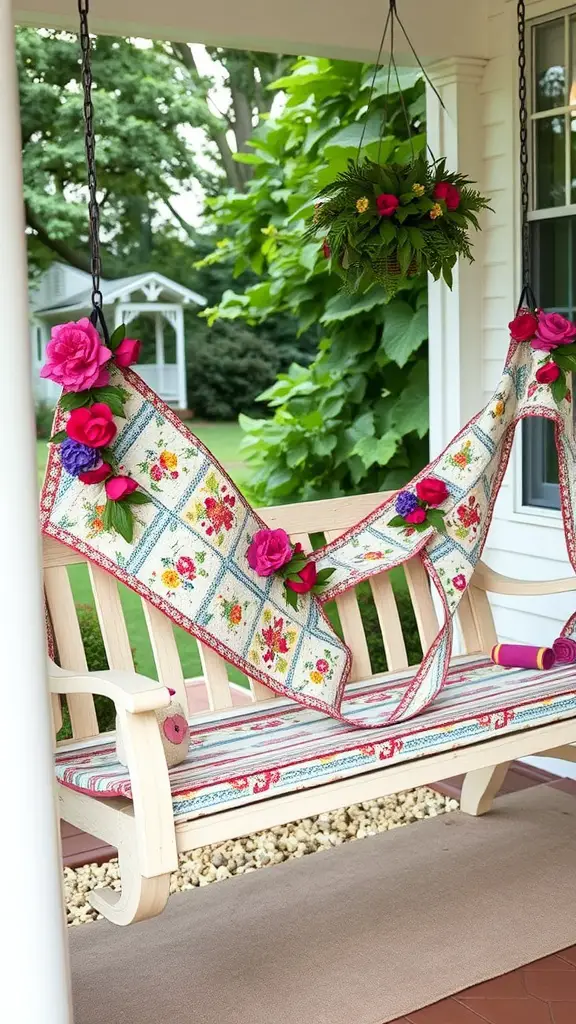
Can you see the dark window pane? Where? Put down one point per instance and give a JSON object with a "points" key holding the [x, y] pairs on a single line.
{"points": [[573, 155], [551, 238], [550, 161], [572, 92], [550, 467], [549, 70]]}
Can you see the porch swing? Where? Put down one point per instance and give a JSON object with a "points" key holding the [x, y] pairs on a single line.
{"points": [[242, 583]]}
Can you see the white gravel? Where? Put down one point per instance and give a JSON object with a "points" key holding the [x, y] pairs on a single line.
{"points": [[265, 849]]}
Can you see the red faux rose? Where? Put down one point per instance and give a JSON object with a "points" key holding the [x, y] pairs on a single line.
{"points": [[449, 193], [95, 476], [432, 491], [128, 352], [387, 204], [119, 486], [417, 516], [523, 327], [548, 373], [93, 426], [308, 576]]}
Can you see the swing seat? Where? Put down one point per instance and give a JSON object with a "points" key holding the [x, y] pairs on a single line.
{"points": [[270, 762]]}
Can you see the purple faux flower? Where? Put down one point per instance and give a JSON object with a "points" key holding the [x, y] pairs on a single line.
{"points": [[77, 457], [405, 503]]}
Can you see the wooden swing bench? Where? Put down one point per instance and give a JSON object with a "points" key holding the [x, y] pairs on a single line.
{"points": [[233, 783]]}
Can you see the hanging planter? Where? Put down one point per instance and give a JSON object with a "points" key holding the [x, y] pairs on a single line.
{"points": [[386, 223]]}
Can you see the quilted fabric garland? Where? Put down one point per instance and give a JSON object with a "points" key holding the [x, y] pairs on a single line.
{"points": [[189, 555]]}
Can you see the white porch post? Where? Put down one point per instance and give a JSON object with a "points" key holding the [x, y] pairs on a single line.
{"points": [[181, 359], [160, 354], [35, 985], [455, 317]]}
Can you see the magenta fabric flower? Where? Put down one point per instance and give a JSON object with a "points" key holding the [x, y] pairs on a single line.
{"points": [[416, 517], [175, 729], [553, 330], [76, 357], [548, 373], [119, 486], [93, 426], [268, 551], [459, 582], [128, 352]]}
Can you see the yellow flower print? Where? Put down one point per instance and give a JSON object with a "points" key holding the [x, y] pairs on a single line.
{"points": [[316, 677], [168, 460], [436, 211], [170, 579], [418, 189], [362, 204], [499, 408]]}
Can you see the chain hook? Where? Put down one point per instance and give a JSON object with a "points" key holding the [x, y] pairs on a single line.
{"points": [[527, 293], [90, 147]]}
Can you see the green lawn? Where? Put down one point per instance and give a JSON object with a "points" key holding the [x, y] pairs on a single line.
{"points": [[223, 439]]}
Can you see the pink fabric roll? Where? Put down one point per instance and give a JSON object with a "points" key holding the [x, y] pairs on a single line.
{"points": [[565, 650], [522, 656]]}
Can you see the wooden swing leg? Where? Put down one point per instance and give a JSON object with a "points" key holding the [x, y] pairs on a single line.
{"points": [[139, 897], [480, 787]]}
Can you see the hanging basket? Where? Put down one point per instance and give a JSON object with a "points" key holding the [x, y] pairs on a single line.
{"points": [[387, 223]]}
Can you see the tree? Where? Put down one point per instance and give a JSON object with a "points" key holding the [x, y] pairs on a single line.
{"points": [[148, 96], [356, 418]]}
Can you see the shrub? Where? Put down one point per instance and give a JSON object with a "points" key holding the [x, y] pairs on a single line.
{"points": [[230, 366], [44, 418]]}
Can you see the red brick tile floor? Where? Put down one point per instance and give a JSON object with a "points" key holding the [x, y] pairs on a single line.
{"points": [[543, 992]]}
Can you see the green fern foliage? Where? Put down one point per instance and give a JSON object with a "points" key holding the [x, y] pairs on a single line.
{"points": [[382, 224]]}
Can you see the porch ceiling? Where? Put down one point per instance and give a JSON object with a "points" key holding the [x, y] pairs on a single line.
{"points": [[438, 28]]}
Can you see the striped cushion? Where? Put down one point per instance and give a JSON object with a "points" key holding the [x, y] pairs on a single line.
{"points": [[247, 754]]}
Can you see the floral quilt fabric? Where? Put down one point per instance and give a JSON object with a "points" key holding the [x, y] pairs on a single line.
{"points": [[188, 556]]}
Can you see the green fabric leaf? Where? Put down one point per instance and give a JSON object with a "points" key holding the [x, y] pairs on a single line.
{"points": [[436, 519], [58, 437], [404, 331], [121, 519], [74, 400], [398, 521], [559, 388], [117, 337], [137, 498], [291, 597]]}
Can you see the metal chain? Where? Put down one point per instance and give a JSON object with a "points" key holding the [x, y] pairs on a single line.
{"points": [[524, 155], [90, 146]]}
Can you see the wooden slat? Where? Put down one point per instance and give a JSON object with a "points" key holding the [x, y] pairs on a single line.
{"points": [[70, 648], [165, 651], [111, 619], [486, 578], [54, 553], [389, 619], [317, 516], [483, 618], [56, 713], [424, 610], [468, 625], [353, 629], [216, 678]]}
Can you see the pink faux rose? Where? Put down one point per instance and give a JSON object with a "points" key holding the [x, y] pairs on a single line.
{"points": [[308, 576], [95, 476], [449, 193], [417, 516], [548, 373], [128, 352], [93, 426], [119, 486], [76, 357], [432, 491], [553, 330], [268, 551], [524, 326], [387, 204]]}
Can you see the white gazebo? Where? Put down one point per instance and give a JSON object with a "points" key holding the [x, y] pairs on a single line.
{"points": [[65, 294]]}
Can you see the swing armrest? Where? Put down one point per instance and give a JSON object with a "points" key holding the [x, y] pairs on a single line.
{"points": [[494, 582], [129, 691]]}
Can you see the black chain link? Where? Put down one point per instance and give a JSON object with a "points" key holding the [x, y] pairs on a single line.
{"points": [[527, 293], [90, 145]]}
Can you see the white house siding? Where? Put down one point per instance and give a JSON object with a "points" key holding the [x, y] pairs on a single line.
{"points": [[526, 543]]}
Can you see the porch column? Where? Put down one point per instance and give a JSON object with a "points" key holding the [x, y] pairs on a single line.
{"points": [[35, 983], [455, 317], [181, 359], [160, 355]]}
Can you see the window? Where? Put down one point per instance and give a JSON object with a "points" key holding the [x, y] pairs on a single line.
{"points": [[552, 215]]}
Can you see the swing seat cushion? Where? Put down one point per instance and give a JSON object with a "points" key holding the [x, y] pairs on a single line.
{"points": [[250, 753]]}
